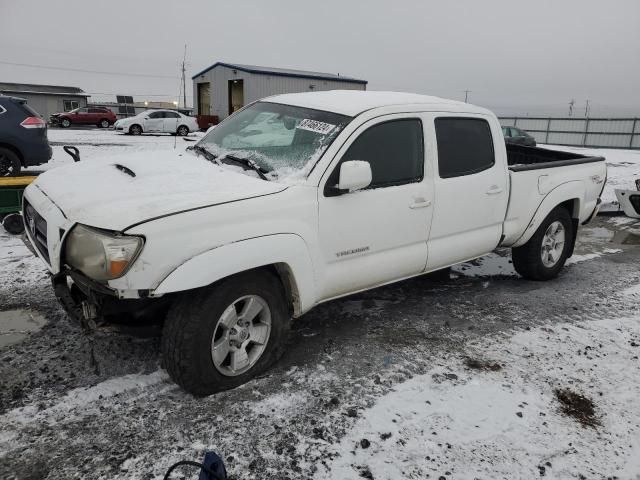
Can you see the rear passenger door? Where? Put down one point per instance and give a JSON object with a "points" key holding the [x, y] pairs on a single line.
{"points": [[471, 189], [378, 234], [170, 124]]}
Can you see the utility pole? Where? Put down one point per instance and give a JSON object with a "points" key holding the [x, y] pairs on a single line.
{"points": [[571, 104], [466, 95], [586, 109], [184, 84]]}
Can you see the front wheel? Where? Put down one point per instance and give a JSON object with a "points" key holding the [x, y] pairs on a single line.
{"points": [[544, 255], [135, 130], [65, 123], [104, 123], [183, 130], [222, 336]]}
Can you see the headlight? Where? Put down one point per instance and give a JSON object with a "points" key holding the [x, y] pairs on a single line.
{"points": [[99, 254]]}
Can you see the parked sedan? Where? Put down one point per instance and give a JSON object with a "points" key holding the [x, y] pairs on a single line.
{"points": [[519, 137], [100, 116], [158, 121]]}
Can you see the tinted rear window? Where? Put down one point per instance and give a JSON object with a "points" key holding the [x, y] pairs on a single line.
{"points": [[27, 109], [465, 146]]}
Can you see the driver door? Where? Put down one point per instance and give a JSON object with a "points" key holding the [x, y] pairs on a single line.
{"points": [[154, 122], [378, 234]]}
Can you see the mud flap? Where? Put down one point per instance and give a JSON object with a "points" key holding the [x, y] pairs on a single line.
{"points": [[630, 202]]}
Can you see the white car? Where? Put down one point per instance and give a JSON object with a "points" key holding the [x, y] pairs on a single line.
{"points": [[293, 201], [158, 121]]}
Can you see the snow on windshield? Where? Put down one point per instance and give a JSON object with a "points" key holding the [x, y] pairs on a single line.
{"points": [[283, 140]]}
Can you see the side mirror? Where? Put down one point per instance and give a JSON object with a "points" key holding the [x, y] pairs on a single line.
{"points": [[354, 175]]}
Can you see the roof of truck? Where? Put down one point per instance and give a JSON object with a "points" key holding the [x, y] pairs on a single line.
{"points": [[354, 102]]}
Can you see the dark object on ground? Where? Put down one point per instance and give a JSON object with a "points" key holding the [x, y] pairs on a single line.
{"points": [[13, 224], [477, 364], [23, 137], [518, 137], [73, 152], [212, 468], [100, 116], [577, 406]]}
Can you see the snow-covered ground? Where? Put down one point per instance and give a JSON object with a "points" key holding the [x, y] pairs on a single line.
{"points": [[498, 415], [460, 379]]}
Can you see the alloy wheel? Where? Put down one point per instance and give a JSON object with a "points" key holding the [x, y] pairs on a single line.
{"points": [[241, 335], [552, 244]]}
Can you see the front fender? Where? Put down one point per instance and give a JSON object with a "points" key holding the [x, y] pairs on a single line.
{"points": [[569, 191], [206, 268]]}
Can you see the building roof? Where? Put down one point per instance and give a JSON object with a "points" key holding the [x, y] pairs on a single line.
{"points": [[41, 89], [282, 72], [354, 102]]}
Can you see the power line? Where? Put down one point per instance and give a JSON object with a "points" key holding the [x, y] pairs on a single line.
{"points": [[85, 71]]}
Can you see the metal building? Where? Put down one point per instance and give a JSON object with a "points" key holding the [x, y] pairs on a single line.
{"points": [[46, 99], [223, 88]]}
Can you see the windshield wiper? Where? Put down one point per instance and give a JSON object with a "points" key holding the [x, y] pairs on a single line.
{"points": [[204, 152], [246, 162]]}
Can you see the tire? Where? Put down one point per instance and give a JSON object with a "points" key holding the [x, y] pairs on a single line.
{"points": [[104, 123], [65, 123], [9, 163], [194, 323], [536, 260], [13, 223], [135, 129], [183, 130]]}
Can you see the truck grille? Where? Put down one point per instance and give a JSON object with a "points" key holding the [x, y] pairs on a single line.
{"points": [[37, 228]]}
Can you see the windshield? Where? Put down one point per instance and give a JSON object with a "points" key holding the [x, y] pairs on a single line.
{"points": [[283, 140]]}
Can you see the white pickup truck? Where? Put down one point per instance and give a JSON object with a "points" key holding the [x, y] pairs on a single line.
{"points": [[292, 201]]}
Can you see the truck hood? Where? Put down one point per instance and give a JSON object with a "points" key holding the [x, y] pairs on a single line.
{"points": [[115, 193]]}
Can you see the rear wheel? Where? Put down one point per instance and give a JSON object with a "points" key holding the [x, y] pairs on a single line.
{"points": [[544, 255], [65, 123], [220, 337], [104, 123], [135, 130], [183, 130], [9, 163]]}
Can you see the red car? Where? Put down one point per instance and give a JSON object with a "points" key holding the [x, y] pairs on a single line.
{"points": [[100, 116]]}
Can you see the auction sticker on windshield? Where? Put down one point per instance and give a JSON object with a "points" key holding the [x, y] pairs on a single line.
{"points": [[315, 126]]}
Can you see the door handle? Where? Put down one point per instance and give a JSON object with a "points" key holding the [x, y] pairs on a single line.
{"points": [[420, 203], [494, 190]]}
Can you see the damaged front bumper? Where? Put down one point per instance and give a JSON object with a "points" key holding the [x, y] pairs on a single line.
{"points": [[96, 306]]}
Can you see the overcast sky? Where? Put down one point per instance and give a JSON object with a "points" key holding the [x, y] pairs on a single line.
{"points": [[514, 56]]}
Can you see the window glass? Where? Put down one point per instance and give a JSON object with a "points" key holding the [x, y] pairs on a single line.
{"points": [[516, 133], [465, 146], [82, 110], [506, 131], [171, 115], [284, 140], [96, 110], [70, 105], [156, 115], [394, 150]]}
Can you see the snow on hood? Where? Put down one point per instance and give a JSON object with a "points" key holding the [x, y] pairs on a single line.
{"points": [[102, 194]]}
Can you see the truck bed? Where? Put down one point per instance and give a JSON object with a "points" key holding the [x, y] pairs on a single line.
{"points": [[521, 158]]}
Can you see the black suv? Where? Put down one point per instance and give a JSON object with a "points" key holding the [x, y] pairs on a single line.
{"points": [[23, 136]]}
